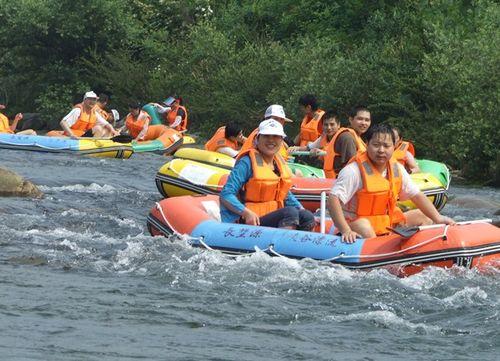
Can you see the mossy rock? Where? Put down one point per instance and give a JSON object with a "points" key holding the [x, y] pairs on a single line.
{"points": [[13, 185]]}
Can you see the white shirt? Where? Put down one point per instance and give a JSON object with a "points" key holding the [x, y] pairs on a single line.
{"points": [[349, 182], [162, 110], [74, 114]]}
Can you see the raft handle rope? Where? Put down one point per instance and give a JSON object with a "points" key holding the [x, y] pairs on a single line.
{"points": [[311, 189], [184, 236]]}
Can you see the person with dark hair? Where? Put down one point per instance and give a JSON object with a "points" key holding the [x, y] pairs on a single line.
{"points": [[360, 121], [101, 105], [311, 127], [363, 200], [137, 124], [174, 113], [5, 127], [336, 141], [226, 140], [276, 112], [85, 121], [257, 191], [404, 153]]}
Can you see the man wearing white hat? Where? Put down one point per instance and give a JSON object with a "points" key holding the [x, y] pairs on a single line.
{"points": [[257, 191], [277, 113], [84, 120]]}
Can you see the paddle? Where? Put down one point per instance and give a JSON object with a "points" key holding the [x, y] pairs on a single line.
{"points": [[121, 138], [407, 232]]}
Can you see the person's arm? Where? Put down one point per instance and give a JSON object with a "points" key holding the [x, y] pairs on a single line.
{"points": [[105, 124], [411, 163], [67, 122], [424, 204], [410, 190], [314, 147], [228, 151], [238, 177], [297, 148], [178, 119], [17, 118], [144, 130], [337, 214], [346, 148], [296, 140], [161, 109], [346, 185]]}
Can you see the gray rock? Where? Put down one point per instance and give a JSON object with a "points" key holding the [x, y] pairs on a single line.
{"points": [[13, 185]]}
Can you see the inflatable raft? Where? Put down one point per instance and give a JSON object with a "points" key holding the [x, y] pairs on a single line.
{"points": [[227, 162], [439, 170], [156, 117], [92, 147], [168, 143], [473, 245], [181, 176]]}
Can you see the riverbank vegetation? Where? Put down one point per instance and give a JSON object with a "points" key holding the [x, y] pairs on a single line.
{"points": [[429, 67]]}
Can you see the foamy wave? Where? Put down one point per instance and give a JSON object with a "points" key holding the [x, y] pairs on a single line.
{"points": [[273, 269], [388, 319], [466, 296], [124, 258], [75, 248], [81, 188], [123, 222], [427, 279]]}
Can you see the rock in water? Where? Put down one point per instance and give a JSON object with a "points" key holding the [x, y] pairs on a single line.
{"points": [[13, 185]]}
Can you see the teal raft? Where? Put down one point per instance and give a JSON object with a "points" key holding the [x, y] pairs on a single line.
{"points": [[156, 117]]}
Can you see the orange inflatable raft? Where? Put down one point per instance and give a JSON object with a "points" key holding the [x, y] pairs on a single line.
{"points": [[472, 245]]}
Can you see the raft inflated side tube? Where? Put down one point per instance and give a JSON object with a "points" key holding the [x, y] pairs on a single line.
{"points": [[438, 170], [206, 157], [86, 146], [156, 117]]}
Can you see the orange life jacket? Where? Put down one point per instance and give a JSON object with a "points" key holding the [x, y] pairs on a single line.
{"points": [[400, 152], [173, 114], [135, 125], [360, 143], [219, 140], [311, 128], [329, 158], [4, 125], [86, 121], [266, 192], [248, 144], [103, 113], [377, 199]]}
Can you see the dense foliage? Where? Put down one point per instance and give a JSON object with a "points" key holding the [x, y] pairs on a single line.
{"points": [[430, 67]]}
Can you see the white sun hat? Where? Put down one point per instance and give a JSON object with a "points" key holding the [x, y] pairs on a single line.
{"points": [[90, 94], [277, 111], [271, 127]]}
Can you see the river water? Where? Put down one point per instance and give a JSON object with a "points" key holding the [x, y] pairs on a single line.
{"points": [[81, 279]]}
